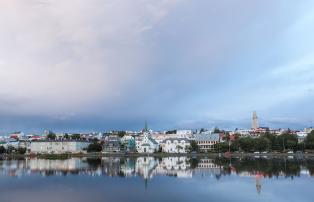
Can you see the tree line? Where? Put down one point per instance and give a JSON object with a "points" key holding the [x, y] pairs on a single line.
{"points": [[267, 142]]}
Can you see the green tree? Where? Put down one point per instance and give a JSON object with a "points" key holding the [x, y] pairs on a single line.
{"points": [[309, 141], [193, 146], [246, 144], [2, 150], [216, 130], [121, 133], [262, 144], [222, 147], [75, 136], [51, 136], [94, 147], [21, 150]]}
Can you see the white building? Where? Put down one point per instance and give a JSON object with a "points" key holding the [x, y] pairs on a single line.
{"points": [[58, 146], [146, 144], [184, 133], [206, 142], [308, 130], [175, 145]]}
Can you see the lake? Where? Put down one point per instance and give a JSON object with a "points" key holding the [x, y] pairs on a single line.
{"points": [[114, 179]]}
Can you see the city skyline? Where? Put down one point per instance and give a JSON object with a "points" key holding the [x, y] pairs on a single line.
{"points": [[101, 65]]}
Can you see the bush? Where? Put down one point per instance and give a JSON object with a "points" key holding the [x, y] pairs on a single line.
{"points": [[94, 147], [2, 150], [21, 150]]}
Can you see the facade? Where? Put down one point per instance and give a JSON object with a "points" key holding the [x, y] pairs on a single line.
{"points": [[175, 145], [58, 146], [146, 144], [9, 143], [112, 144], [206, 142], [129, 143]]}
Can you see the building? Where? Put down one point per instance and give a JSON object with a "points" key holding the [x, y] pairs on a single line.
{"points": [[146, 144], [58, 146], [206, 141], [301, 136], [175, 145], [112, 144], [128, 143], [255, 124], [308, 130]]}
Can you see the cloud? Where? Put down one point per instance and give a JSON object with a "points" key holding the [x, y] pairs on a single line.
{"points": [[173, 62], [65, 56]]}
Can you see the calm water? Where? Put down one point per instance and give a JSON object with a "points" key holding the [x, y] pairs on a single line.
{"points": [[156, 179]]}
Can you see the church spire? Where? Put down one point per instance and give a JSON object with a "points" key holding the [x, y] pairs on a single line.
{"points": [[146, 127]]}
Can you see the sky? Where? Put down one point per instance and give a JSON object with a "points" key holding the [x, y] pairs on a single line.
{"points": [[98, 65]]}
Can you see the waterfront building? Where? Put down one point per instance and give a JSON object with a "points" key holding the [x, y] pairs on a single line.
{"points": [[128, 143], [175, 145], [301, 136], [58, 146], [206, 141], [9, 142], [17, 135], [112, 144], [146, 144], [308, 130]]}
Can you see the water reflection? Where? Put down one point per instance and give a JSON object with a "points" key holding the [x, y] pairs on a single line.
{"points": [[148, 167], [157, 176]]}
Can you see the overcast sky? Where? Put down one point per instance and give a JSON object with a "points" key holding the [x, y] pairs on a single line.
{"points": [[95, 65]]}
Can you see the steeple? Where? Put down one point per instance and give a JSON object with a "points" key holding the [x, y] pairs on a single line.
{"points": [[146, 127], [255, 124]]}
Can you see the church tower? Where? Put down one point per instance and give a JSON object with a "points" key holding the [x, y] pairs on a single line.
{"points": [[255, 124]]}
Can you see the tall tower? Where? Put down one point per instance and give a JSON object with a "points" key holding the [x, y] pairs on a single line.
{"points": [[146, 127], [255, 124]]}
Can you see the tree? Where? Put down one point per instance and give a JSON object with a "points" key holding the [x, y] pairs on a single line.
{"points": [[222, 147], [21, 150], [75, 136], [309, 141], [66, 136], [2, 150], [51, 136], [94, 147], [246, 144], [171, 132], [261, 144], [121, 133], [216, 130], [179, 147], [289, 141], [193, 146]]}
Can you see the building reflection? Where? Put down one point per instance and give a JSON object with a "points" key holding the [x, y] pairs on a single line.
{"points": [[149, 167]]}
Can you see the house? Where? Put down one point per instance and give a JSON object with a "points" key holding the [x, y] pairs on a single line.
{"points": [[175, 145], [10, 143], [112, 144], [146, 144], [128, 143], [58, 146], [206, 141]]}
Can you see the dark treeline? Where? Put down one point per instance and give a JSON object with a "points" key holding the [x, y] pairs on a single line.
{"points": [[268, 142]]}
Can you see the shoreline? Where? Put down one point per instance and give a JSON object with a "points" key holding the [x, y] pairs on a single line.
{"points": [[158, 155]]}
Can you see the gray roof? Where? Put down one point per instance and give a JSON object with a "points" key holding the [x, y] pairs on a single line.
{"points": [[60, 141], [178, 139], [207, 137], [152, 140]]}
